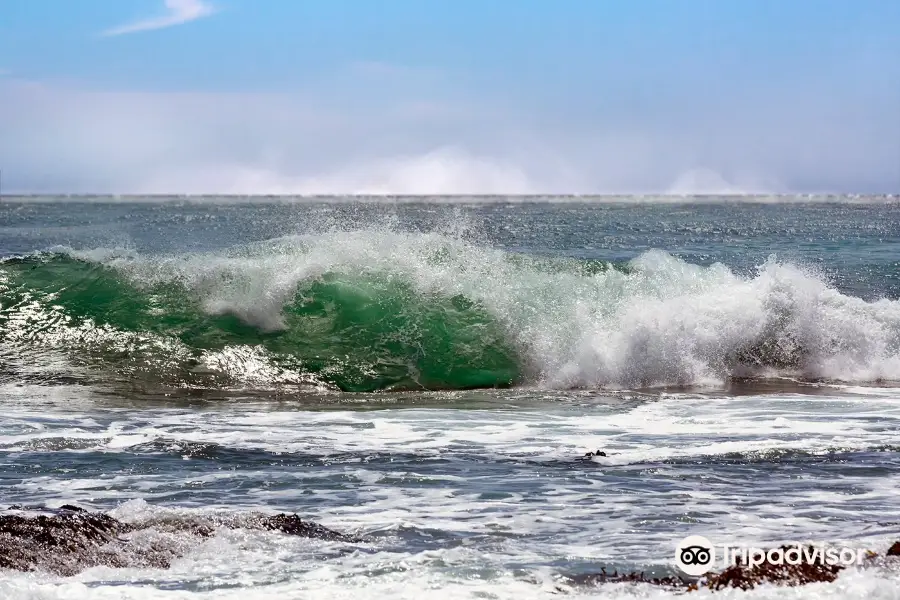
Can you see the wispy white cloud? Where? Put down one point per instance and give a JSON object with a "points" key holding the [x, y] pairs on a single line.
{"points": [[178, 13]]}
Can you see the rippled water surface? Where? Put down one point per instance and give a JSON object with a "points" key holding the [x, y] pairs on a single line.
{"points": [[429, 376]]}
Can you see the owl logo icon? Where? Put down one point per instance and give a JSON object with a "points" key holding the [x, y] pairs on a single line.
{"points": [[695, 555]]}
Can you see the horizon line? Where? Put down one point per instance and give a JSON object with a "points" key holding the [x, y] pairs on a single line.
{"points": [[50, 195]]}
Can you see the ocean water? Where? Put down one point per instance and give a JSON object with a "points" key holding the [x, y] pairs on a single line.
{"points": [[429, 373]]}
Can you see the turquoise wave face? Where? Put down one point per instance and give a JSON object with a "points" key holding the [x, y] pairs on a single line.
{"points": [[359, 332], [375, 310]]}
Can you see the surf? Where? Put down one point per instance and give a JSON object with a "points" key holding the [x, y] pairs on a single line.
{"points": [[369, 310]]}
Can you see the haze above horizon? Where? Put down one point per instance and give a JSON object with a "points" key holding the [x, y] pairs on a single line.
{"points": [[449, 97]]}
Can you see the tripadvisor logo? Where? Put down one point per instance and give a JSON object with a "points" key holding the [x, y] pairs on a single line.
{"points": [[695, 555]]}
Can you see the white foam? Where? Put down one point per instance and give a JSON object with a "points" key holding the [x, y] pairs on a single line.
{"points": [[241, 567], [549, 505], [666, 322]]}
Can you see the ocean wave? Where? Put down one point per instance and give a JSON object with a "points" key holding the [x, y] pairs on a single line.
{"points": [[372, 309]]}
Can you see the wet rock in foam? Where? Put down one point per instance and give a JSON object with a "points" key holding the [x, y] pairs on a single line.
{"points": [[745, 577], [739, 576], [67, 540]]}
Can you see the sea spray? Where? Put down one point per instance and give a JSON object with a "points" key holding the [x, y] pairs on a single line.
{"points": [[375, 309]]}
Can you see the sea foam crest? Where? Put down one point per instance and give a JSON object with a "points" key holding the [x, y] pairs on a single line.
{"points": [[659, 321]]}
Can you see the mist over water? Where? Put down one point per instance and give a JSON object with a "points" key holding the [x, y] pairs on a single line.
{"points": [[428, 375]]}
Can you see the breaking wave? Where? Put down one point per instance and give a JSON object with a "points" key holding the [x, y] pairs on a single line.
{"points": [[374, 310]]}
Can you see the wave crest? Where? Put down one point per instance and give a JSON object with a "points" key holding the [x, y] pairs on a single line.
{"points": [[366, 310]]}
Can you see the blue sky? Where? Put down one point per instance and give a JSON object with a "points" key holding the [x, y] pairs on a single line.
{"points": [[450, 96]]}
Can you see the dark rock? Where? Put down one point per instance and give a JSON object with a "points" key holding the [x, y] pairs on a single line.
{"points": [[293, 525], [595, 579], [71, 539], [597, 453], [738, 576], [746, 578], [64, 544]]}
